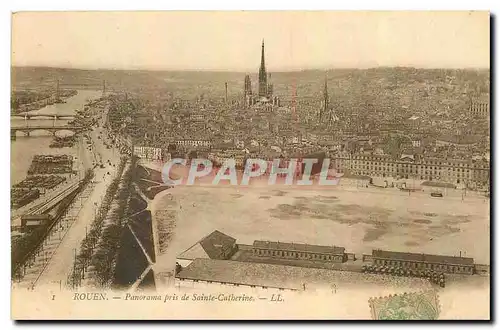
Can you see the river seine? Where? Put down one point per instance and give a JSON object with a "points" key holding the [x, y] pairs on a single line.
{"points": [[24, 148]]}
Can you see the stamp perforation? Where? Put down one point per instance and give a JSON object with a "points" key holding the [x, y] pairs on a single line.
{"points": [[374, 300]]}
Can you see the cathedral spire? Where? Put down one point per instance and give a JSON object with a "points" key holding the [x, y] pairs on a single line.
{"points": [[262, 74], [262, 58]]}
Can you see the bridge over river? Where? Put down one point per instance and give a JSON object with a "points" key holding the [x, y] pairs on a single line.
{"points": [[52, 129], [29, 115]]}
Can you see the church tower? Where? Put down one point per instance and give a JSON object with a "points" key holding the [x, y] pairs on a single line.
{"points": [[262, 75], [247, 91], [269, 88], [248, 86]]}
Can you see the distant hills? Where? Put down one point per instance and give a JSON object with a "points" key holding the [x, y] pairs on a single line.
{"points": [[305, 82]]}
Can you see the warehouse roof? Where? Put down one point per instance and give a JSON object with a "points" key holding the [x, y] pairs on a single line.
{"points": [[242, 273], [212, 246], [282, 276], [298, 247]]}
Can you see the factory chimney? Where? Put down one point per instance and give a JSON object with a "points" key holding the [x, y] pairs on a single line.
{"points": [[57, 90], [226, 93]]}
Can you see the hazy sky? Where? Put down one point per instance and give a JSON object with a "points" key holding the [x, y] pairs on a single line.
{"points": [[231, 40]]}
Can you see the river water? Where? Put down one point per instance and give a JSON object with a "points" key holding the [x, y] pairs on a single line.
{"points": [[24, 148]]}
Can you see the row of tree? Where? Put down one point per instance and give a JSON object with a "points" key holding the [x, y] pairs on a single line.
{"points": [[104, 259], [19, 98], [90, 242]]}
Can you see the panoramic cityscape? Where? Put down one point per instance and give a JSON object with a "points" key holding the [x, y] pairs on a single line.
{"points": [[144, 181]]}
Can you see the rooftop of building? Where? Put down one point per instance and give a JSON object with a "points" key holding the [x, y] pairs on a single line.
{"points": [[356, 177], [421, 257], [281, 276], [439, 184], [298, 247], [407, 155], [211, 246], [483, 98], [459, 139]]}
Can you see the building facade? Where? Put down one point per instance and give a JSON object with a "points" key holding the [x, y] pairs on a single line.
{"points": [[227, 157], [456, 171], [193, 143], [420, 261], [148, 153], [280, 250], [480, 106]]}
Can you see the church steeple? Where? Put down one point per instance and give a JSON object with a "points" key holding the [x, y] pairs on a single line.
{"points": [[262, 74], [262, 58]]}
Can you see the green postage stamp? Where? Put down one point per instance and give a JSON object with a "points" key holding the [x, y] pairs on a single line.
{"points": [[407, 306]]}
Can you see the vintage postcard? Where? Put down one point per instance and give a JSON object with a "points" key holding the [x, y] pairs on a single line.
{"points": [[283, 165]]}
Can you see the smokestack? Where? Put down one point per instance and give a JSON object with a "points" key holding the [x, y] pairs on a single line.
{"points": [[57, 90], [226, 92]]}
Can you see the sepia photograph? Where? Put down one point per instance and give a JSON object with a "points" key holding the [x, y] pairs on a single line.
{"points": [[265, 165]]}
